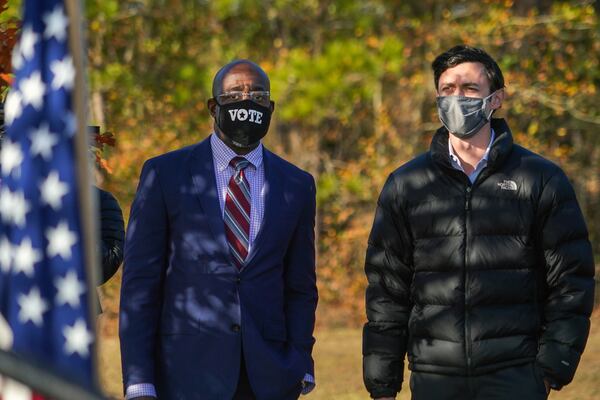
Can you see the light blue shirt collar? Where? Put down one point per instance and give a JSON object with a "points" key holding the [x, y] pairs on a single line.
{"points": [[455, 161]]}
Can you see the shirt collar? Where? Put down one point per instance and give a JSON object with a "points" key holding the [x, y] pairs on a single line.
{"points": [[485, 155], [222, 154]]}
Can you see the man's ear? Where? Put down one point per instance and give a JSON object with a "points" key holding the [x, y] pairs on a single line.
{"points": [[212, 106], [272, 106], [497, 99]]}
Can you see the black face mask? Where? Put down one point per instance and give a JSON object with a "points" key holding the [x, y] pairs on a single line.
{"points": [[244, 122]]}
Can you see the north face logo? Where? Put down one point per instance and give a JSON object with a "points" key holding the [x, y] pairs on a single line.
{"points": [[508, 185], [242, 114]]}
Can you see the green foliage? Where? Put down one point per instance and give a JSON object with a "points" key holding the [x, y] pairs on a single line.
{"points": [[12, 12], [331, 85]]}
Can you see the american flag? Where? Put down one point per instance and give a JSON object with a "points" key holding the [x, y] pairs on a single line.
{"points": [[44, 313]]}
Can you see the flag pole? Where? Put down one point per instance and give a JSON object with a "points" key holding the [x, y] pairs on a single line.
{"points": [[88, 203]]}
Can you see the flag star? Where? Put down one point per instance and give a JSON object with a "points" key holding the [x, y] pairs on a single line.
{"points": [[6, 343], [69, 289], [17, 58], [13, 207], [78, 338], [6, 254], [13, 106], [33, 90], [20, 208], [56, 24], [52, 190], [25, 257], [28, 40], [32, 307], [64, 73], [6, 204], [11, 156], [42, 141], [60, 241]]}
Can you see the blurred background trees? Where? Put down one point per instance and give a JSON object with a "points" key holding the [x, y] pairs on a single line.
{"points": [[354, 94], [9, 27]]}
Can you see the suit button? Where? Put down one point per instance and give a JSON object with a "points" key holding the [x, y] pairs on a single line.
{"points": [[238, 280], [235, 327]]}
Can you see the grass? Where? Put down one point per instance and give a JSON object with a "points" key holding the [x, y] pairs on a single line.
{"points": [[338, 364]]}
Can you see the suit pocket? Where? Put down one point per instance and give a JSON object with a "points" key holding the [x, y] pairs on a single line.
{"points": [[274, 330]]}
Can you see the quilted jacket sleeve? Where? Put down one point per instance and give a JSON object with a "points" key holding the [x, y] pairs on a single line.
{"points": [[388, 267], [112, 234], [570, 280]]}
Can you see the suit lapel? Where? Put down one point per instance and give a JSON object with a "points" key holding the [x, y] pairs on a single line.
{"points": [[273, 201], [203, 176]]}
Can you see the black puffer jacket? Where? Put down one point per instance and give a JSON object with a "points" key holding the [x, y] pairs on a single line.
{"points": [[468, 279], [112, 234]]}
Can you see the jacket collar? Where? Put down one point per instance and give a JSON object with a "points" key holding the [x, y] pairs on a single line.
{"points": [[501, 147], [274, 200], [205, 186]]}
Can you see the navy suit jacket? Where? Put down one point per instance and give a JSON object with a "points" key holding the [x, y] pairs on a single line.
{"points": [[186, 309]]}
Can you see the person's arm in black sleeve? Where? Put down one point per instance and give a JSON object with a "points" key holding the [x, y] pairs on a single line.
{"points": [[388, 267], [569, 266], [112, 233]]}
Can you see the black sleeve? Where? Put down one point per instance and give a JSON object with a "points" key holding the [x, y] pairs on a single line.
{"points": [[112, 232], [389, 271], [570, 280]]}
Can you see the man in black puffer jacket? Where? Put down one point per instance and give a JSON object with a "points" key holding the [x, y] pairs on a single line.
{"points": [[479, 265]]}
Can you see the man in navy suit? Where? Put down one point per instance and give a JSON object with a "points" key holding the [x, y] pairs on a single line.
{"points": [[219, 289]]}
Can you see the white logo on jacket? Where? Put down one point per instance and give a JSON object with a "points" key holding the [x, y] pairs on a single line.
{"points": [[508, 185]]}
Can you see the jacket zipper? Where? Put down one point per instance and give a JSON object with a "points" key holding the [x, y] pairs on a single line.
{"points": [[468, 193]]}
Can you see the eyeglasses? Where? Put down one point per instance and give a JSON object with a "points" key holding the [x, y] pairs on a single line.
{"points": [[261, 97]]}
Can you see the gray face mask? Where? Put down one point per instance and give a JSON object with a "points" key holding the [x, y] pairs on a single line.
{"points": [[463, 116]]}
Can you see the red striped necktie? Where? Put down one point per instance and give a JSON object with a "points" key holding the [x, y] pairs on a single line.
{"points": [[237, 212]]}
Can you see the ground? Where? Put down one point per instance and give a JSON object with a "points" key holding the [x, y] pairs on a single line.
{"points": [[339, 370]]}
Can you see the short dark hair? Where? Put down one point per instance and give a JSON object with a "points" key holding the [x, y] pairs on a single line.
{"points": [[461, 54]]}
